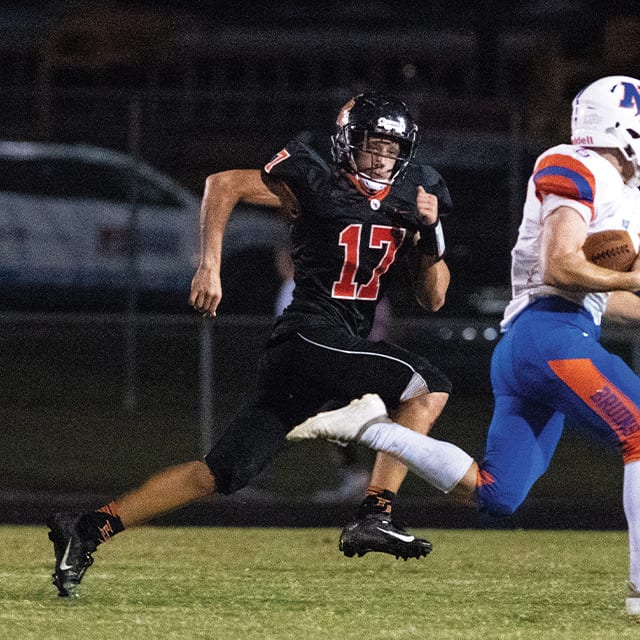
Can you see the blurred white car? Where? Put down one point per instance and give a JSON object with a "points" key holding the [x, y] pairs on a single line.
{"points": [[69, 215]]}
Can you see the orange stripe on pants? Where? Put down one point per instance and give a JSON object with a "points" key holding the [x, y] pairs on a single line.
{"points": [[604, 399]]}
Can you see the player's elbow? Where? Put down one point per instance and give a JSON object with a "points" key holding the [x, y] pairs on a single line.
{"points": [[221, 183], [437, 302], [431, 300], [431, 289], [498, 499]]}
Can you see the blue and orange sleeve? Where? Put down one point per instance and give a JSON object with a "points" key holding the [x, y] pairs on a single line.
{"points": [[566, 177]]}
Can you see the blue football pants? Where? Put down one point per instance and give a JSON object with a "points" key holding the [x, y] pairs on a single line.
{"points": [[547, 368]]}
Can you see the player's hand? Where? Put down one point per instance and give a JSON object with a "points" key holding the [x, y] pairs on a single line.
{"points": [[206, 291], [636, 264], [427, 205]]}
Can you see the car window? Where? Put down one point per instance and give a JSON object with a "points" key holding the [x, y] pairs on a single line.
{"points": [[73, 179], [152, 195], [62, 178]]}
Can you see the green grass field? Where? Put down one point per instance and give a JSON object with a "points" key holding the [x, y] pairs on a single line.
{"points": [[225, 583]]}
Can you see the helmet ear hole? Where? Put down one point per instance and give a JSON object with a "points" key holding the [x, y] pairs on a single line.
{"points": [[358, 138]]}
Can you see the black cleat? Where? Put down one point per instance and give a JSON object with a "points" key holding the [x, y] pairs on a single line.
{"points": [[73, 555], [376, 532]]}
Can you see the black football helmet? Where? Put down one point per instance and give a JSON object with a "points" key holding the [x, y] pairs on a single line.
{"points": [[373, 114]]}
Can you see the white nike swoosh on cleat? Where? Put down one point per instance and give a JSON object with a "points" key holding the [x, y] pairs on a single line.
{"points": [[399, 536], [63, 563]]}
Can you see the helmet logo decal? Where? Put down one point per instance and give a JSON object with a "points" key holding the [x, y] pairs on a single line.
{"points": [[631, 97], [392, 125], [343, 117], [607, 114]]}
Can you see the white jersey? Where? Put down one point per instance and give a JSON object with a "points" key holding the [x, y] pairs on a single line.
{"points": [[580, 178]]}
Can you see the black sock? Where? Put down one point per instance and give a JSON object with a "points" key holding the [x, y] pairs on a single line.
{"points": [[376, 501], [101, 525]]}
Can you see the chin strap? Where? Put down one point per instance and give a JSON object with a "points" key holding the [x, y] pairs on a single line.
{"points": [[379, 195]]}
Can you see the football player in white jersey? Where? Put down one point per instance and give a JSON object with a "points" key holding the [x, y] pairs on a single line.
{"points": [[549, 365]]}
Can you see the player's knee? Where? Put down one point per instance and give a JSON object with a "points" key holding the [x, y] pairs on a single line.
{"points": [[497, 503], [497, 509], [417, 386], [426, 403], [202, 478], [226, 477], [630, 450]]}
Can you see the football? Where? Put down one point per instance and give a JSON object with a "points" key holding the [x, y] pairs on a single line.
{"points": [[614, 249]]}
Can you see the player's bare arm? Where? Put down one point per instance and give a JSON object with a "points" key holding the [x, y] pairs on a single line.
{"points": [[221, 193], [623, 307], [432, 277], [374, 143], [564, 263]]}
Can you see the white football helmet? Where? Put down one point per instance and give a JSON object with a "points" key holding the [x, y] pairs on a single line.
{"points": [[607, 114]]}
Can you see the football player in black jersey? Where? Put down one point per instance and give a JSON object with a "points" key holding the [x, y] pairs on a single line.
{"points": [[351, 220]]}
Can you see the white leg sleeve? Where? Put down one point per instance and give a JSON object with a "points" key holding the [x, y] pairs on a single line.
{"points": [[440, 463], [631, 502]]}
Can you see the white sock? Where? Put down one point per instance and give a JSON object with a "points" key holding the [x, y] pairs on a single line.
{"points": [[440, 463], [631, 502]]}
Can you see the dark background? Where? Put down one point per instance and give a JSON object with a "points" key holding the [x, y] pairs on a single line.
{"points": [[197, 87]]}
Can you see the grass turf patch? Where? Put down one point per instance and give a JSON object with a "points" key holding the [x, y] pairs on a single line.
{"points": [[230, 583]]}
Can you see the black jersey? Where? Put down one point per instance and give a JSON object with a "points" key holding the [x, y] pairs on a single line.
{"points": [[344, 242]]}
